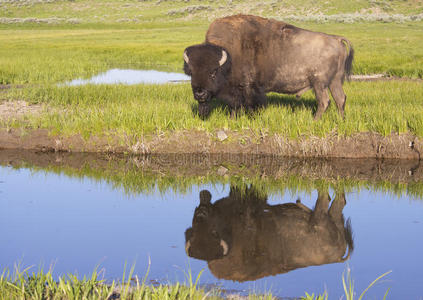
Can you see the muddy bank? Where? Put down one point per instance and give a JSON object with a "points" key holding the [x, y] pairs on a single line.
{"points": [[220, 165], [361, 145]]}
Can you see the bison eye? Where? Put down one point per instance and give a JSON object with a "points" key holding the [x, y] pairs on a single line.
{"points": [[213, 74]]}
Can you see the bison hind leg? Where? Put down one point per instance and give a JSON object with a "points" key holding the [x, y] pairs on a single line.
{"points": [[323, 100], [337, 206], [338, 95]]}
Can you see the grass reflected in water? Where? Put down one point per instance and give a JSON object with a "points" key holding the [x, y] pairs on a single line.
{"points": [[271, 175]]}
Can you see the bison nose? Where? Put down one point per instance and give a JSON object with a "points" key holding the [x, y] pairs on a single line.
{"points": [[200, 94], [200, 214]]}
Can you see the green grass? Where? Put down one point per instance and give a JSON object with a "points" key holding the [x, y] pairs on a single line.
{"points": [[134, 175], [43, 285], [50, 55], [39, 56], [393, 49], [144, 110], [348, 285]]}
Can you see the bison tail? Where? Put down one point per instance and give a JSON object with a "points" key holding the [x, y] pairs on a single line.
{"points": [[350, 58], [349, 239]]}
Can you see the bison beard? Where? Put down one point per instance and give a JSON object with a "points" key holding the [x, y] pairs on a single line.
{"points": [[244, 57], [203, 109]]}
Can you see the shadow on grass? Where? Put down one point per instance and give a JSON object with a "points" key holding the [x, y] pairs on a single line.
{"points": [[273, 99], [281, 100]]}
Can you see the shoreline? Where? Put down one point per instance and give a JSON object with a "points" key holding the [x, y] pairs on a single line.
{"points": [[359, 145], [223, 165]]}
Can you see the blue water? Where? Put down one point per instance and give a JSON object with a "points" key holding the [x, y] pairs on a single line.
{"points": [[77, 224], [128, 76]]}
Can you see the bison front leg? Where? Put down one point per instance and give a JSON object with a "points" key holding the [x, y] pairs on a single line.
{"points": [[322, 96], [235, 100], [261, 101], [254, 98]]}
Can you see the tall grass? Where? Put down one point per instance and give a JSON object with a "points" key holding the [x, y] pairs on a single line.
{"points": [[348, 285], [27, 284], [40, 285], [145, 110], [349, 291]]}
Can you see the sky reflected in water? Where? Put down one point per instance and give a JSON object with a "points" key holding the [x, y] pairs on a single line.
{"points": [[128, 76]]}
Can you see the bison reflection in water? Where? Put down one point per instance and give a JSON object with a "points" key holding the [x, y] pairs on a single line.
{"points": [[244, 238]]}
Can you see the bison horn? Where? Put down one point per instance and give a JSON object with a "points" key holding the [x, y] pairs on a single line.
{"points": [[223, 58], [186, 57], [187, 246], [224, 246]]}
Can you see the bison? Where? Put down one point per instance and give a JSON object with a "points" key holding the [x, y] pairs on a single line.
{"points": [[244, 57], [244, 238]]}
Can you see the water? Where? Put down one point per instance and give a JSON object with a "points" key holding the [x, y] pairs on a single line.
{"points": [[128, 76], [77, 222]]}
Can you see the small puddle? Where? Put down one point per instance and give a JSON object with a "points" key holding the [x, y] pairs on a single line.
{"points": [[128, 76]]}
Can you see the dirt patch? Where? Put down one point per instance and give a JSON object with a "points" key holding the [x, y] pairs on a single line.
{"points": [[361, 145], [10, 86], [18, 109], [382, 77]]}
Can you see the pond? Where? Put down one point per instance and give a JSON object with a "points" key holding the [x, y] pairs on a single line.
{"points": [[129, 76], [80, 212]]}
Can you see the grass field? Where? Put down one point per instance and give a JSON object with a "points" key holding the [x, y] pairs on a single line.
{"points": [[143, 110], [47, 54], [44, 43]]}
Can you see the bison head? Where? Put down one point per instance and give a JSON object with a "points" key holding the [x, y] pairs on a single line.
{"points": [[209, 66], [204, 240]]}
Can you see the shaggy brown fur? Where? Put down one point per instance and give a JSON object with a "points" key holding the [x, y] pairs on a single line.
{"points": [[265, 55]]}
